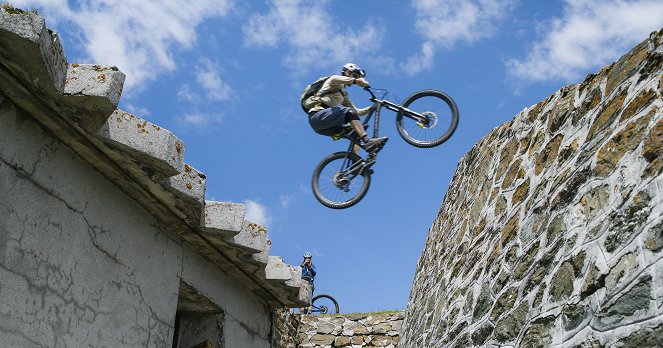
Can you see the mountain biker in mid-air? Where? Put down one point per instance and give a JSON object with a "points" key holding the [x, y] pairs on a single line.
{"points": [[330, 109]]}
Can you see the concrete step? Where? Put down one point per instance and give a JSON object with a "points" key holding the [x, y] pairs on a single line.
{"points": [[78, 104]]}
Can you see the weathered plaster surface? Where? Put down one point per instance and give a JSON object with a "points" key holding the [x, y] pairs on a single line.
{"points": [[79, 261], [102, 221]]}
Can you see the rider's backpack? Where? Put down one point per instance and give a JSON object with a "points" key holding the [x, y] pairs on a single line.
{"points": [[309, 98]]}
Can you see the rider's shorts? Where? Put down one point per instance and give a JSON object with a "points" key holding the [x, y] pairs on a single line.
{"points": [[332, 120]]}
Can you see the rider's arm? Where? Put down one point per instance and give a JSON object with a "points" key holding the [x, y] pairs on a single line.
{"points": [[337, 81], [361, 112]]}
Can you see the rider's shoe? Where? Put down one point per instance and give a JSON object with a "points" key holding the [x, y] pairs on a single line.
{"points": [[375, 144]]}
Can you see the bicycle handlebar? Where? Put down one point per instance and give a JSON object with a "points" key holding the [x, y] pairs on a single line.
{"points": [[369, 90]]}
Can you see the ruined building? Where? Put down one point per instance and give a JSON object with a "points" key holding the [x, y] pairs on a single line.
{"points": [[551, 232], [106, 239]]}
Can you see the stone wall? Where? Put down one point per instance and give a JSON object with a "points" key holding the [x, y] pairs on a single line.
{"points": [[106, 238], [350, 330], [285, 326], [551, 232]]}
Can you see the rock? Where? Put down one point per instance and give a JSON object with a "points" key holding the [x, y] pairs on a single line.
{"points": [[624, 141], [509, 326], [483, 302], [504, 302], [653, 151], [594, 201], [573, 315], [548, 155], [626, 265], [637, 298], [481, 334], [644, 337], [521, 193], [538, 333], [628, 221], [561, 286], [342, 341], [510, 231], [654, 239], [594, 280], [322, 340]]}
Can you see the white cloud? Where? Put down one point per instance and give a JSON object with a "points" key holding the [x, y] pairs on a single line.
{"points": [[185, 93], [134, 35], [208, 78], [202, 122], [138, 111], [285, 200], [311, 33], [591, 33], [257, 213], [444, 23]]}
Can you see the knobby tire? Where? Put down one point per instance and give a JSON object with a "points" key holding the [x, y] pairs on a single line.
{"points": [[445, 110], [322, 194], [336, 309]]}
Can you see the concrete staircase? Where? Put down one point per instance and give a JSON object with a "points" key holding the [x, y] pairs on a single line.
{"points": [[78, 104]]}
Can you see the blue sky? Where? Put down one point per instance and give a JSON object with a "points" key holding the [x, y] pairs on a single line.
{"points": [[225, 76]]}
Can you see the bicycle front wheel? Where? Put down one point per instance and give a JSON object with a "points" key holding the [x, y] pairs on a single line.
{"points": [[435, 120], [324, 304], [336, 185]]}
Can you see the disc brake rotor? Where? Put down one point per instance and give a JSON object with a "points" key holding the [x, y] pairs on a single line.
{"points": [[431, 120], [341, 181]]}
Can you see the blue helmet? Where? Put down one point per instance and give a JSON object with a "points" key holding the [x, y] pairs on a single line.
{"points": [[307, 254], [353, 69]]}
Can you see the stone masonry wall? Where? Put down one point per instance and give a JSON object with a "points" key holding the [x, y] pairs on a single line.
{"points": [[551, 232], [350, 330], [284, 328]]}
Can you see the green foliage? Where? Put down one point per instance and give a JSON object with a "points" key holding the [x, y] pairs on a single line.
{"points": [[387, 312], [9, 8]]}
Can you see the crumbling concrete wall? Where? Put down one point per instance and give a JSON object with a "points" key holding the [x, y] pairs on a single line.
{"points": [[106, 238], [551, 232]]}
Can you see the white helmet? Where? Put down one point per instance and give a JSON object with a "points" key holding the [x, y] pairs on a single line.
{"points": [[353, 69], [307, 255]]}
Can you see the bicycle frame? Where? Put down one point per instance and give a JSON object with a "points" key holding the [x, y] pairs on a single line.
{"points": [[319, 309], [378, 104], [334, 183]]}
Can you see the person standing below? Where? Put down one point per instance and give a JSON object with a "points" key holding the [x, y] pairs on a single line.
{"points": [[330, 110], [308, 276]]}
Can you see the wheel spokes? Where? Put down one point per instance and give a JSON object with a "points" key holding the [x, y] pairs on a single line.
{"points": [[339, 186]]}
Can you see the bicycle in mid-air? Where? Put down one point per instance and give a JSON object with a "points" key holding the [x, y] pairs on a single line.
{"points": [[425, 119], [324, 304]]}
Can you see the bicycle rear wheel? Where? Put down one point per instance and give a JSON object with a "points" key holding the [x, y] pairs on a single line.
{"points": [[335, 185], [324, 304], [439, 123]]}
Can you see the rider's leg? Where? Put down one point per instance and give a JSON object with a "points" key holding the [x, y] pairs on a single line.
{"points": [[370, 144], [358, 127], [356, 149]]}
